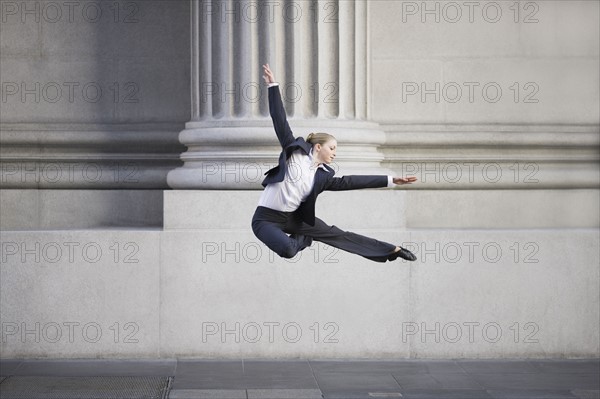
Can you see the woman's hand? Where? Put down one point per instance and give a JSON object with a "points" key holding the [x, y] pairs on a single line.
{"points": [[404, 180], [268, 74]]}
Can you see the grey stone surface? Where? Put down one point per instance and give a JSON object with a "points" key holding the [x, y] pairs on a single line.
{"points": [[383, 209], [587, 393], [335, 382], [567, 366], [110, 387], [449, 394], [500, 366], [9, 367], [537, 381], [213, 375], [89, 73], [208, 394], [183, 284], [531, 394], [80, 209], [391, 366], [436, 381], [284, 394], [77, 293], [109, 367], [439, 51], [223, 124], [352, 379], [502, 209], [392, 310], [103, 52]]}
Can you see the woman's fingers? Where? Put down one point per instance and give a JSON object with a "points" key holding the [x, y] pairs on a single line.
{"points": [[267, 73], [268, 76], [405, 180]]}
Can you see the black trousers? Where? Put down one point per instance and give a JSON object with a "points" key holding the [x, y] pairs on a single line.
{"points": [[272, 228]]}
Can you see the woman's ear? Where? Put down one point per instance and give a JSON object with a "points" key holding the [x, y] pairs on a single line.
{"points": [[318, 147]]}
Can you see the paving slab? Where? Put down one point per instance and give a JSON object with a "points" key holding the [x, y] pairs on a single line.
{"points": [[362, 395], [567, 366], [498, 366], [209, 375], [331, 379], [334, 382], [437, 381], [586, 393], [531, 394], [553, 381], [9, 366], [388, 367], [446, 394], [284, 394], [207, 394], [97, 367], [44, 387]]}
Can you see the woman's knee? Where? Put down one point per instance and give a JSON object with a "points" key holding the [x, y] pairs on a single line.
{"points": [[289, 250]]}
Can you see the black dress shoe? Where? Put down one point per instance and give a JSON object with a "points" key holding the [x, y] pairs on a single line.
{"points": [[404, 254]]}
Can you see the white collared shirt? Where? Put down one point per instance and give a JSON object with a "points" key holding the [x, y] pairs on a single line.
{"points": [[299, 180]]}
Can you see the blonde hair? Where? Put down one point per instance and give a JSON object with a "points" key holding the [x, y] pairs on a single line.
{"points": [[319, 138]]}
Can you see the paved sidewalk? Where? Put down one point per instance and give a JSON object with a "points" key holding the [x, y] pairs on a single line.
{"points": [[338, 379]]}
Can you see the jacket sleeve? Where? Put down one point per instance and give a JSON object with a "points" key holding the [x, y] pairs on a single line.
{"points": [[356, 182], [282, 128]]}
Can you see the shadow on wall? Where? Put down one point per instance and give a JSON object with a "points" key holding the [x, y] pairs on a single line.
{"points": [[94, 97]]}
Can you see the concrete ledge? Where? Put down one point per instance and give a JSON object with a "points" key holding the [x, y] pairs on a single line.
{"points": [[502, 209], [80, 293], [221, 294], [398, 209], [214, 209], [23, 209]]}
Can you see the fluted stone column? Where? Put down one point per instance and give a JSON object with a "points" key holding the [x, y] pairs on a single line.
{"points": [[318, 53]]}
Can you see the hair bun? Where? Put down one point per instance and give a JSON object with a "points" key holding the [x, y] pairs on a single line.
{"points": [[310, 136]]}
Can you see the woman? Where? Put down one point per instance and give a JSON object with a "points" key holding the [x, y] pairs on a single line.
{"points": [[285, 217]]}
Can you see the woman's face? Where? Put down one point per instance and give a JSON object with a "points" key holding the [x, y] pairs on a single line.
{"points": [[326, 152]]}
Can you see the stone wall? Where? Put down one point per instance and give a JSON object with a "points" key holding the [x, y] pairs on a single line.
{"points": [[494, 106]]}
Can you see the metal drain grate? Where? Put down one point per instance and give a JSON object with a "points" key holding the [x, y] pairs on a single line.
{"points": [[16, 387]]}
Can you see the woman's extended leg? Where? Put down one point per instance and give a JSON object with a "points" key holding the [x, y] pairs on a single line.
{"points": [[367, 247]]}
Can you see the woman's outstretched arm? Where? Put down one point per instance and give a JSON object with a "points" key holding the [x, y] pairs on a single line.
{"points": [[354, 182], [282, 128]]}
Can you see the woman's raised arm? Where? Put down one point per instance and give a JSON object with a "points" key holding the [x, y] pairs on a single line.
{"points": [[282, 128]]}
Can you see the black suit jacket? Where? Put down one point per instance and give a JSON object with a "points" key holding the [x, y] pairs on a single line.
{"points": [[324, 179]]}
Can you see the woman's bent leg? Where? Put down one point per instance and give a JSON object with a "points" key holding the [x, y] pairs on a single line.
{"points": [[267, 226]]}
